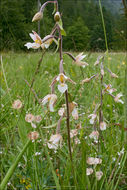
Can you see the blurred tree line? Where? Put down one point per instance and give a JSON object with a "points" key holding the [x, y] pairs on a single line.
{"points": [[82, 23]]}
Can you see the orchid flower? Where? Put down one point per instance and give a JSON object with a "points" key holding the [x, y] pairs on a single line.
{"points": [[54, 141], [51, 98], [62, 87], [93, 117], [72, 110], [117, 98], [102, 126], [37, 41], [78, 60], [109, 89]]}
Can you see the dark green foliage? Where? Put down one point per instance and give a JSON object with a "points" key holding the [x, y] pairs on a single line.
{"points": [[81, 19], [77, 36]]}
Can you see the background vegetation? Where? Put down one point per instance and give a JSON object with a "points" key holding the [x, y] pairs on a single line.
{"points": [[82, 22]]}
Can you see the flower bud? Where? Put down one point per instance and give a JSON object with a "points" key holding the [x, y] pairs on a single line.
{"points": [[37, 16], [57, 16]]}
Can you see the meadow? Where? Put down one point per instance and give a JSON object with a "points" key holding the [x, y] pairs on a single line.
{"points": [[41, 167]]}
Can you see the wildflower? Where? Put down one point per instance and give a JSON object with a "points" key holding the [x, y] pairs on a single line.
{"points": [[117, 98], [17, 104], [33, 135], [113, 75], [109, 88], [98, 60], [93, 117], [74, 111], [51, 98], [94, 135], [61, 111], [38, 16], [78, 60], [47, 41], [73, 133], [99, 175], [89, 171], [77, 141], [37, 41], [93, 161], [29, 117], [62, 87], [86, 80], [54, 141], [37, 153], [102, 126], [38, 118], [121, 152]]}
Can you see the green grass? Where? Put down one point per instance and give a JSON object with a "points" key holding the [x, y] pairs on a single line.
{"points": [[39, 172]]}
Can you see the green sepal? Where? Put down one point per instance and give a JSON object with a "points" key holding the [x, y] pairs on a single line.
{"points": [[54, 9], [60, 24]]}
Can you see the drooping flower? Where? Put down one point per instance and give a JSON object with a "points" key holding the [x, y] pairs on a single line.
{"points": [[93, 161], [113, 75], [73, 133], [61, 111], [78, 60], [93, 117], [86, 80], [72, 110], [37, 41], [17, 104], [29, 117], [102, 126], [109, 88], [117, 98], [98, 60], [99, 175], [47, 41], [51, 99], [75, 113], [89, 171], [55, 141]]}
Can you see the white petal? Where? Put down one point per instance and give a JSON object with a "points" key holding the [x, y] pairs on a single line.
{"points": [[75, 113], [46, 99], [58, 78], [51, 107], [29, 45], [62, 87], [33, 125], [33, 36], [91, 121], [36, 45], [121, 101], [47, 45]]}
